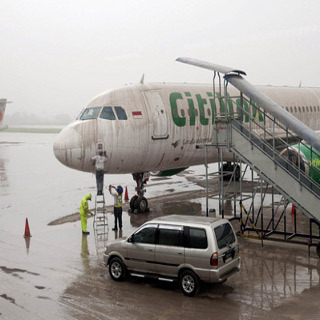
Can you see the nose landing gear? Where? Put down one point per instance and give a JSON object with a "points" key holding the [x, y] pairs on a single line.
{"points": [[139, 202]]}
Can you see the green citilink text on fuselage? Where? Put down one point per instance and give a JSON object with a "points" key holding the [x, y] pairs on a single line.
{"points": [[196, 107]]}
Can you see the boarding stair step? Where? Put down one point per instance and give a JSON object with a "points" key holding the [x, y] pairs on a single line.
{"points": [[282, 176]]}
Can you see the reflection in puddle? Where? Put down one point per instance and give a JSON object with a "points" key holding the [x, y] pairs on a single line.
{"points": [[269, 276], [27, 240], [3, 175]]}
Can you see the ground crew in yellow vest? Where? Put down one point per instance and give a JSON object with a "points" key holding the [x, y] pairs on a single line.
{"points": [[84, 210], [117, 196]]}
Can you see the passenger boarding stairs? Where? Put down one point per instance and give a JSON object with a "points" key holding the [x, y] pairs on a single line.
{"points": [[259, 133], [277, 170]]}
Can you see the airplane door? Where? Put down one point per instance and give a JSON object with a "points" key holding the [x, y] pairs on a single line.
{"points": [[159, 115]]}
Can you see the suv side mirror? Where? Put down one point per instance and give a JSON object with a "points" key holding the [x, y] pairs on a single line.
{"points": [[131, 239]]}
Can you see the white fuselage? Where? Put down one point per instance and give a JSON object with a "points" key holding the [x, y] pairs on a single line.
{"points": [[164, 124]]}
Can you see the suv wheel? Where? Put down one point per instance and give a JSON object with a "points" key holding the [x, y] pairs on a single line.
{"points": [[117, 269], [189, 283]]}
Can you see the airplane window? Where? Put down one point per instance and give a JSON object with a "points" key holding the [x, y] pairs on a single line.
{"points": [[90, 113], [121, 113], [287, 109], [209, 112], [295, 109], [303, 109], [307, 108], [318, 108], [107, 113], [299, 108], [182, 113], [291, 110], [314, 108]]}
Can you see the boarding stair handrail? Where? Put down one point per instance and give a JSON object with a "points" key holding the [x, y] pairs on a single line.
{"points": [[279, 163], [287, 165], [310, 188]]}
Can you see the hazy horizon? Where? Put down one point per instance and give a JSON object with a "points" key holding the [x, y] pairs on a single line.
{"points": [[56, 56]]}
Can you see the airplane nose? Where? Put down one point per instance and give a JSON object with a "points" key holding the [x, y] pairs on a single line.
{"points": [[67, 147]]}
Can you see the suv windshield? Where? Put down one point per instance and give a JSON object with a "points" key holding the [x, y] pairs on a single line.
{"points": [[90, 113], [224, 235]]}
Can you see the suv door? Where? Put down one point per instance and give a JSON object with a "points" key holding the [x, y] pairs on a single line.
{"points": [[169, 251], [197, 251], [141, 249]]}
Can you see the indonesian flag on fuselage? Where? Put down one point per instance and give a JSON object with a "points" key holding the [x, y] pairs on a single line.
{"points": [[137, 114]]}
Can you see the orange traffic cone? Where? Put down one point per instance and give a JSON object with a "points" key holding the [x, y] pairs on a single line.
{"points": [[27, 230], [293, 209], [126, 197]]}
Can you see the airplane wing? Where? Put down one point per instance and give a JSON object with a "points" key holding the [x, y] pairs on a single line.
{"points": [[210, 66]]}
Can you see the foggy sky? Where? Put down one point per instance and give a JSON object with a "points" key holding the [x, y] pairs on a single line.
{"points": [[55, 56]]}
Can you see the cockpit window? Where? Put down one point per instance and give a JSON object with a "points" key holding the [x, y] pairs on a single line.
{"points": [[107, 113], [121, 114], [90, 113]]}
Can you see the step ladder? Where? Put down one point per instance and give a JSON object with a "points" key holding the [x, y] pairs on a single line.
{"points": [[100, 221]]}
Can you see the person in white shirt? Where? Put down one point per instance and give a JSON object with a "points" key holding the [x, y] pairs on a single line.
{"points": [[98, 161]]}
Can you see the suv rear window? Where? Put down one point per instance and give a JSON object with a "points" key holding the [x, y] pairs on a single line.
{"points": [[224, 235]]}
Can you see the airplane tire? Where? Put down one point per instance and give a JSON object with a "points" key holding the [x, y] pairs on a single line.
{"points": [[132, 201], [238, 173], [141, 205], [229, 167]]}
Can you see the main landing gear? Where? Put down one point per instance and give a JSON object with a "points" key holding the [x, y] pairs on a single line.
{"points": [[139, 202], [231, 171]]}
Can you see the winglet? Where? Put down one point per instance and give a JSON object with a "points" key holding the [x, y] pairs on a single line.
{"points": [[210, 66]]}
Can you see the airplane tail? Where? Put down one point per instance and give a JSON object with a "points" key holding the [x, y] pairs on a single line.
{"points": [[3, 103]]}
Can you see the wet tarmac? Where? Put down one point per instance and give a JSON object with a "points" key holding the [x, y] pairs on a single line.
{"points": [[58, 273]]}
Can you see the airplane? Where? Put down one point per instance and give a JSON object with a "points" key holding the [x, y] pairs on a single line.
{"points": [[157, 127], [3, 103], [301, 155]]}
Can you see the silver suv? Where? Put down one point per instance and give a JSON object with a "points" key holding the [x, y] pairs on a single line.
{"points": [[184, 248]]}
